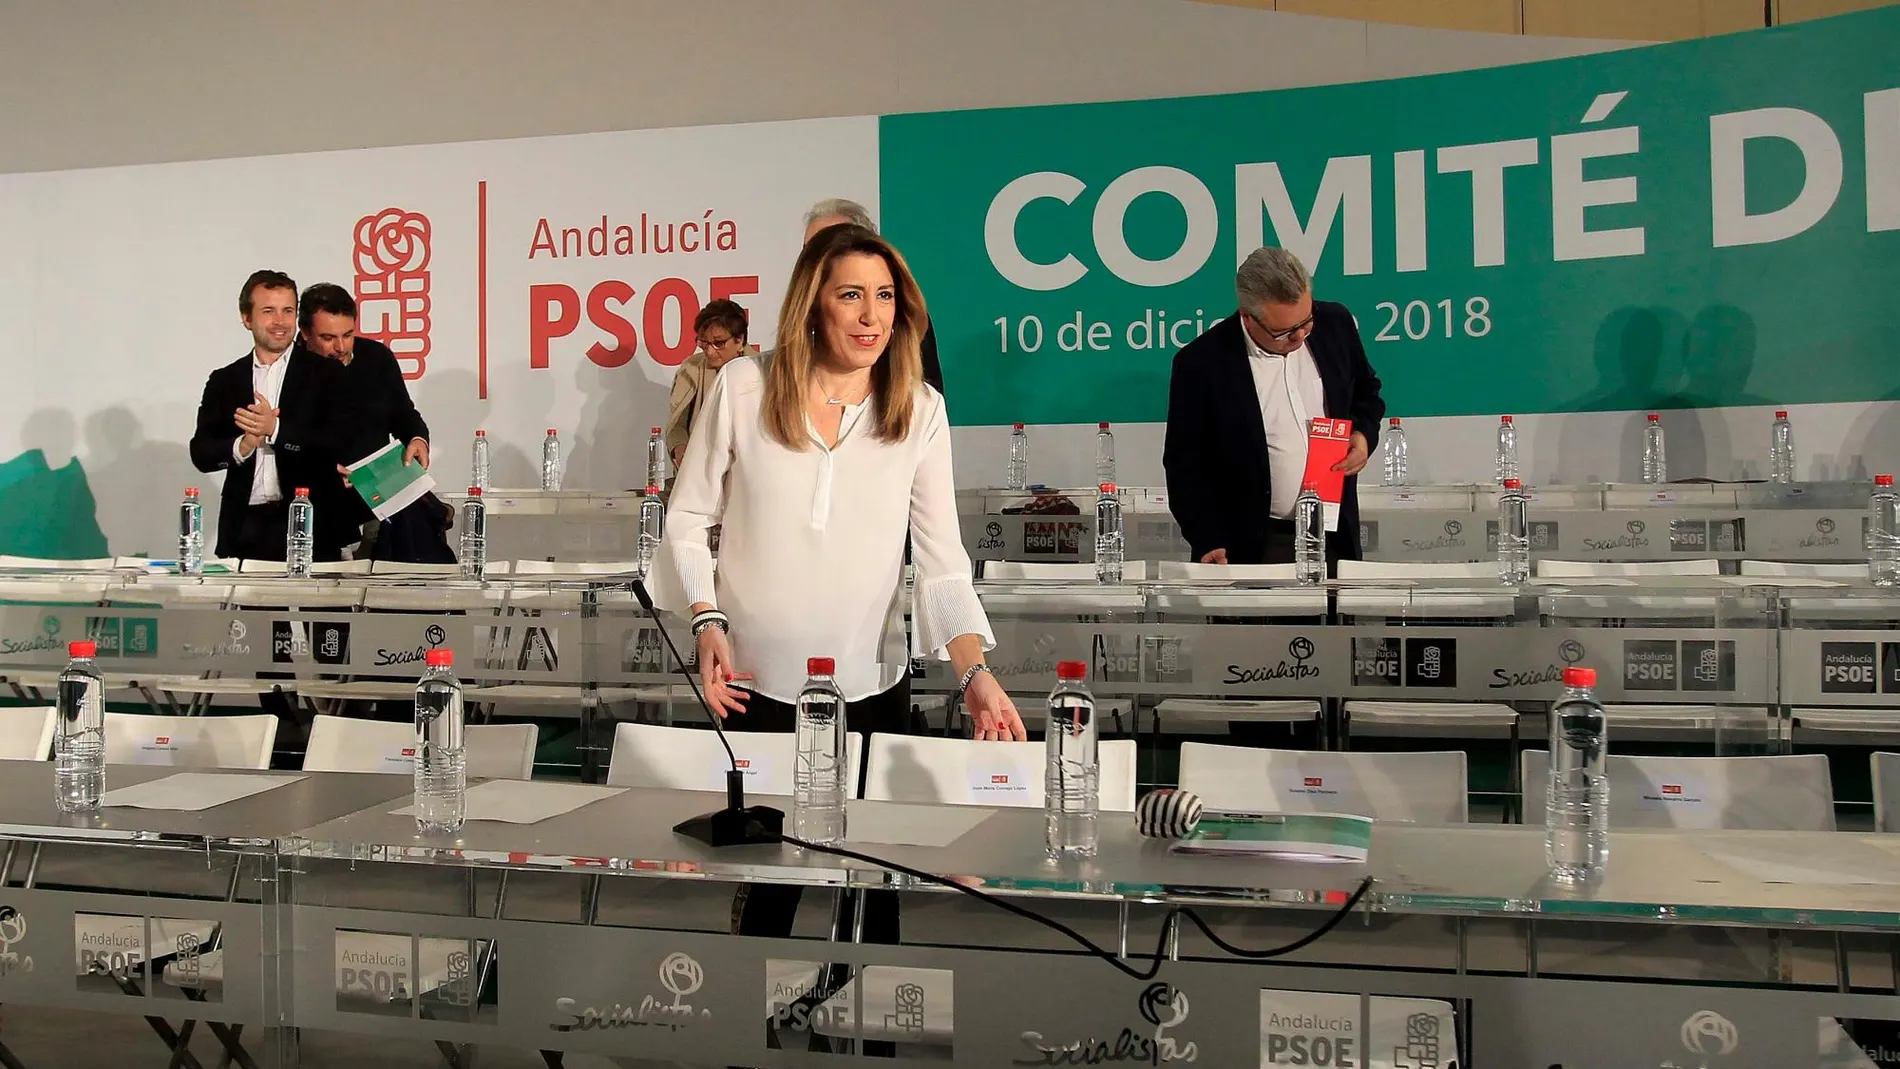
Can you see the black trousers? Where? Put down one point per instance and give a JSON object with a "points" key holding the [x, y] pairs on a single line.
{"points": [[1279, 547], [265, 530], [770, 909]]}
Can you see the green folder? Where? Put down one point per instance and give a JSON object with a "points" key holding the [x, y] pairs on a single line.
{"points": [[386, 484], [1287, 836]]}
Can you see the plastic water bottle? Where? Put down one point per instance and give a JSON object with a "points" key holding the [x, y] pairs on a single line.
{"points": [[1577, 799], [1507, 449], [1018, 458], [1781, 450], [441, 764], [652, 528], [1655, 461], [300, 538], [1104, 454], [1108, 536], [79, 741], [1395, 453], [473, 552], [1883, 534], [1514, 535], [1309, 538], [191, 534], [656, 457], [1072, 775], [551, 461], [820, 763], [478, 462]]}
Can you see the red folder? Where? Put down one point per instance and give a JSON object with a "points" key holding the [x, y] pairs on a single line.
{"points": [[1326, 445]]}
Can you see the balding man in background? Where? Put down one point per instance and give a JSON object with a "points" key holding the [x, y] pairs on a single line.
{"points": [[837, 210], [1239, 406]]}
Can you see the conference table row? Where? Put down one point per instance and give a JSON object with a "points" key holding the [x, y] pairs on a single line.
{"points": [[568, 919]]}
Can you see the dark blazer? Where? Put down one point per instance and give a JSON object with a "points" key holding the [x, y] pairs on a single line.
{"points": [[1219, 485], [369, 405], [304, 457], [933, 369]]}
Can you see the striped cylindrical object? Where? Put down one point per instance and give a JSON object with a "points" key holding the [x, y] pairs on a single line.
{"points": [[1167, 813]]}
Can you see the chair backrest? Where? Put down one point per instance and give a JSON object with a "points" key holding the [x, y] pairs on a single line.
{"points": [[297, 594], [1886, 791], [1419, 788], [398, 568], [347, 744], [1181, 571], [1783, 792], [1133, 571], [26, 734], [261, 567], [1401, 569], [1586, 569], [577, 567], [190, 741], [691, 759], [928, 768], [1781, 569], [340, 567]]}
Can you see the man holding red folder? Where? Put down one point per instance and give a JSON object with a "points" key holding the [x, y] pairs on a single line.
{"points": [[1242, 406]]}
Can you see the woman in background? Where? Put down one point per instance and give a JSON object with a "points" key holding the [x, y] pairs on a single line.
{"points": [[818, 459], [721, 330]]}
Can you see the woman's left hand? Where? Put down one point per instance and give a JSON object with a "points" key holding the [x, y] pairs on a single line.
{"points": [[992, 714]]}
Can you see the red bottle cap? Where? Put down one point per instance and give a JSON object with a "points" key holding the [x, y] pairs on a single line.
{"points": [[1072, 670], [1506, 419], [1654, 418], [303, 491], [1394, 421], [1101, 426], [1781, 415], [1019, 426], [653, 491], [1580, 677], [85, 647], [820, 666], [656, 430], [439, 658], [550, 430], [1514, 484], [481, 434], [1108, 488], [191, 491], [1883, 480], [474, 491]]}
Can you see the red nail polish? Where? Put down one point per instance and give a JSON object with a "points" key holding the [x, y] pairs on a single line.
{"points": [[728, 677]]}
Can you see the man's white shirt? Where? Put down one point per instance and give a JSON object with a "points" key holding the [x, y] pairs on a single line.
{"points": [[1291, 397], [266, 380]]}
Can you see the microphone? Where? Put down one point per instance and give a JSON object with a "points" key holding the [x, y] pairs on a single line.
{"points": [[737, 824]]}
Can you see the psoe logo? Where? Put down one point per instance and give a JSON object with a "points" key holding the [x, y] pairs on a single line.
{"points": [[232, 646], [680, 974], [1708, 1032], [992, 536], [1300, 649], [1162, 1005], [392, 285], [12, 937]]}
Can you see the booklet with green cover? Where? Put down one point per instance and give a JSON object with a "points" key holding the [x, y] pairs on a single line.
{"points": [[386, 484], [1286, 836]]}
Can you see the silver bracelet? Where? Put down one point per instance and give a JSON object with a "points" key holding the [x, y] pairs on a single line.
{"points": [[711, 618], [969, 676]]}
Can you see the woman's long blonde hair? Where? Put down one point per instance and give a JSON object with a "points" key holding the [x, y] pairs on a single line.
{"points": [[894, 377]]}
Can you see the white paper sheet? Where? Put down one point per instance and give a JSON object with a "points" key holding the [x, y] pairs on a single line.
{"points": [[512, 801], [1833, 865], [193, 791], [896, 824]]}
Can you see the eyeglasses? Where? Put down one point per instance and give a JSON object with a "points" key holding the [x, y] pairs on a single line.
{"points": [[717, 343], [1302, 327]]}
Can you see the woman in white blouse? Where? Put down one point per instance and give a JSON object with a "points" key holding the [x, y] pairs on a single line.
{"points": [[817, 460]]}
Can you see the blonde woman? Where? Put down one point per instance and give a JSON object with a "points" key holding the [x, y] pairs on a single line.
{"points": [[817, 460]]}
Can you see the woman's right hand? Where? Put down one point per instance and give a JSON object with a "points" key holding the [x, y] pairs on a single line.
{"points": [[716, 673]]}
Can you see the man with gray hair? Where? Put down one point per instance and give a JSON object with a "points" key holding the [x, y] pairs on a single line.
{"points": [[1239, 406], [836, 210]]}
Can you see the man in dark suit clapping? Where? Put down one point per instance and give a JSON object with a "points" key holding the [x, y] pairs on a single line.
{"points": [[261, 421]]}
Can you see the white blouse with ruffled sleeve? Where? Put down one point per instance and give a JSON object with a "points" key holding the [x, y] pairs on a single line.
{"points": [[811, 548]]}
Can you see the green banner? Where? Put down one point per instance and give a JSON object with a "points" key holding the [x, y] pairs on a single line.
{"points": [[1702, 224]]}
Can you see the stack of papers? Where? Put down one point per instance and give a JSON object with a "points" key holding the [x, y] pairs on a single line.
{"points": [[1335, 837]]}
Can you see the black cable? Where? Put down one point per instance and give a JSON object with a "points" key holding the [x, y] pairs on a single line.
{"points": [[1161, 943]]}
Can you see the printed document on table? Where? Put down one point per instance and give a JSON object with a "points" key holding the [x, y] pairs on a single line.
{"points": [[897, 824], [386, 484], [1331, 837], [193, 791], [513, 801]]}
